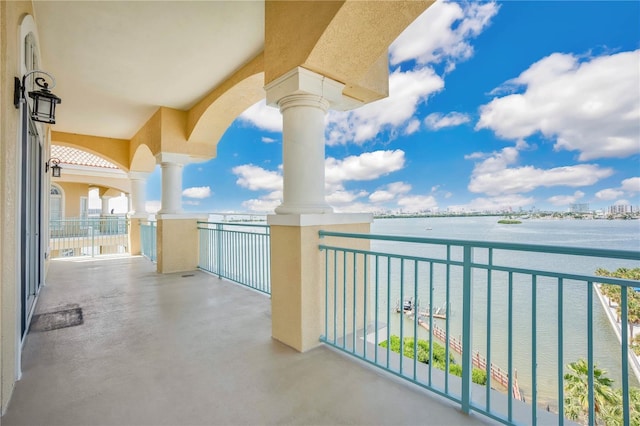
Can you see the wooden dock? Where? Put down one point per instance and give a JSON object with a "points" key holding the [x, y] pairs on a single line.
{"points": [[497, 374]]}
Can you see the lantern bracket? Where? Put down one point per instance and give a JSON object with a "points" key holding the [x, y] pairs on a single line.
{"points": [[43, 99]]}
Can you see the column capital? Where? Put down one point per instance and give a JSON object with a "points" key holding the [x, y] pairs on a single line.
{"points": [[303, 100], [170, 157], [301, 81]]}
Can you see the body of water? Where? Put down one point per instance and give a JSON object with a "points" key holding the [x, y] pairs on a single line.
{"points": [[602, 234]]}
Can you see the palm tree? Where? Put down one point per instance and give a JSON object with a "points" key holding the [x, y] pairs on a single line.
{"points": [[614, 292], [576, 388], [613, 416], [633, 311]]}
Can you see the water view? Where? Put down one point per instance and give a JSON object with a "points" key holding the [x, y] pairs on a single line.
{"points": [[601, 234]]}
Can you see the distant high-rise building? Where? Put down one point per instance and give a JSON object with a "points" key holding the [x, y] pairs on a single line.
{"points": [[622, 209], [580, 208]]}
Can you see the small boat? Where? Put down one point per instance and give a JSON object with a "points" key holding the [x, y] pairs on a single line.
{"points": [[407, 306]]}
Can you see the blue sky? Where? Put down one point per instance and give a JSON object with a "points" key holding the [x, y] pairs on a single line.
{"points": [[492, 106]]}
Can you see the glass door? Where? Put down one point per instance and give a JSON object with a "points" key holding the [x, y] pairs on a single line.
{"points": [[30, 219]]}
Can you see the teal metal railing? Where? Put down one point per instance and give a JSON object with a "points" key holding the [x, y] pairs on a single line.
{"points": [[148, 236], [509, 317], [88, 236], [239, 252]]}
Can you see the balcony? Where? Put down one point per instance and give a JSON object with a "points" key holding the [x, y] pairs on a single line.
{"points": [[202, 343], [88, 236], [191, 349]]}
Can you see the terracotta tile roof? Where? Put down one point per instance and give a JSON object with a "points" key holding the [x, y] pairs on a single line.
{"points": [[68, 155]]}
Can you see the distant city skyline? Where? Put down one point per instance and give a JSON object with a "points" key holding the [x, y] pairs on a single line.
{"points": [[491, 106]]}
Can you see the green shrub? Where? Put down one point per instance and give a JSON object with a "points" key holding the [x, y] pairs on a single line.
{"points": [[439, 357], [479, 376], [455, 369]]}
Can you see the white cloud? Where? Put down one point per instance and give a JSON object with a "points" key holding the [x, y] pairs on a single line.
{"points": [[494, 177], [563, 200], [436, 121], [407, 90], [263, 117], [622, 203], [417, 203], [631, 185], [261, 205], [591, 106], [609, 194], [268, 140], [340, 197], [257, 179], [357, 207], [412, 127], [389, 192], [499, 203], [197, 192], [381, 196], [367, 166], [528, 178], [441, 33]]}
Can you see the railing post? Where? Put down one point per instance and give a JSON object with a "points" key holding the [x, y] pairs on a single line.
{"points": [[92, 242], [624, 324], [466, 329], [219, 248]]}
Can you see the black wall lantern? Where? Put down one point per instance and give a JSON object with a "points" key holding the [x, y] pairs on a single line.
{"points": [[54, 164], [44, 102]]}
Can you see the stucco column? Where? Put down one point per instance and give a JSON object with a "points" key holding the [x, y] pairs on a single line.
{"points": [[105, 205], [303, 154], [297, 266], [137, 198], [303, 98], [176, 232], [171, 165]]}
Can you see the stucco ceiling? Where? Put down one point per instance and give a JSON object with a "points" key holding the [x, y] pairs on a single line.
{"points": [[116, 62]]}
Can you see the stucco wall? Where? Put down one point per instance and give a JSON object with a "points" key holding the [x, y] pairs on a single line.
{"points": [[11, 15], [177, 245], [72, 194], [297, 281]]}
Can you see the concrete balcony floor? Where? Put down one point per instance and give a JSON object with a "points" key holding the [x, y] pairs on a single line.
{"points": [[191, 349]]}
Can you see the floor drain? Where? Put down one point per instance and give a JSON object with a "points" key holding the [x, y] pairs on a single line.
{"points": [[55, 320], [188, 275]]}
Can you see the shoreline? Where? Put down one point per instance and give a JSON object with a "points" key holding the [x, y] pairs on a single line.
{"points": [[634, 360]]}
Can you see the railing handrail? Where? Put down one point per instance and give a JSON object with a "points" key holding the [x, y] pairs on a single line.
{"points": [[241, 224], [73, 219], [570, 276], [536, 248]]}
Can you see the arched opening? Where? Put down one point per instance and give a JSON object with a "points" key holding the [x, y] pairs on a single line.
{"points": [[143, 159], [56, 203]]}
